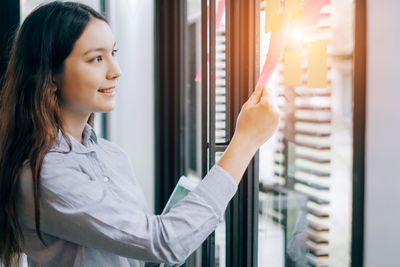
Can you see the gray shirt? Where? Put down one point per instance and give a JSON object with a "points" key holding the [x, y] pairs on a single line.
{"points": [[93, 211]]}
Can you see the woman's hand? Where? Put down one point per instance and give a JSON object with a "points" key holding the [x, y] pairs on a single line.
{"points": [[257, 119], [256, 123]]}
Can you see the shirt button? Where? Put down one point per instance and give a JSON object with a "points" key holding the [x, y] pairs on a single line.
{"points": [[106, 179]]}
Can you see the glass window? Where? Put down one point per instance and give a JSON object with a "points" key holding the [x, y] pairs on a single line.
{"points": [[306, 168], [192, 88], [215, 100]]}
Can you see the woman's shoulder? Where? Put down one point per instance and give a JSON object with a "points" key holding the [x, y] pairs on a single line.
{"points": [[49, 158], [55, 157]]}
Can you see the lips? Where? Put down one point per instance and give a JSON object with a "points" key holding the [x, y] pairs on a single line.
{"points": [[107, 90]]}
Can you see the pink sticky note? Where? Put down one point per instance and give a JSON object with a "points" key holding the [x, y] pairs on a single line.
{"points": [[311, 15], [220, 12], [312, 11], [276, 46], [198, 76]]}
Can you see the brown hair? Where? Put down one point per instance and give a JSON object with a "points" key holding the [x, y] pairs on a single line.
{"points": [[30, 114]]}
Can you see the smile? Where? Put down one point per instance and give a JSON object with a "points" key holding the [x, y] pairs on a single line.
{"points": [[107, 91]]}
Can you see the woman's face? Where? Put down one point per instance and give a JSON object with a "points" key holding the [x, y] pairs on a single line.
{"points": [[91, 67]]}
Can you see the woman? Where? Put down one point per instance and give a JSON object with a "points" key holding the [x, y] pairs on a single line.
{"points": [[68, 197]]}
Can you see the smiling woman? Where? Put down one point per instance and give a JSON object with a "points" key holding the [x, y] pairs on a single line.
{"points": [[70, 198], [50, 89]]}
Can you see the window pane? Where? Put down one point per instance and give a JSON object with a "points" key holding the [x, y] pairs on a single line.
{"points": [[192, 103], [306, 168], [193, 97], [192, 90]]}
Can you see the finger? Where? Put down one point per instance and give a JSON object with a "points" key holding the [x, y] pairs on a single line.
{"points": [[255, 96], [265, 93]]}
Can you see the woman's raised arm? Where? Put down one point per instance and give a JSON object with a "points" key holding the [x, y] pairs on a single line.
{"points": [[256, 123]]}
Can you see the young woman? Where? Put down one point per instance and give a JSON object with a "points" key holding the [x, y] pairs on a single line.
{"points": [[70, 198]]}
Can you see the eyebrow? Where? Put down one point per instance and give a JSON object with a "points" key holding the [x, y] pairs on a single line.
{"points": [[97, 49]]}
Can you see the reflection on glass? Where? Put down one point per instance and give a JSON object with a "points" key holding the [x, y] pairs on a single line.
{"points": [[193, 101], [305, 169], [220, 113], [193, 98], [193, 88]]}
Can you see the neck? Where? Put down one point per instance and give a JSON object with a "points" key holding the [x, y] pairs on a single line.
{"points": [[74, 123]]}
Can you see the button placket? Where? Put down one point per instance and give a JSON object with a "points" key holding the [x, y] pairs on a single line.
{"points": [[95, 163], [103, 172]]}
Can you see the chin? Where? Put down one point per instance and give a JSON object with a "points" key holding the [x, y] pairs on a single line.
{"points": [[108, 109], [105, 109]]}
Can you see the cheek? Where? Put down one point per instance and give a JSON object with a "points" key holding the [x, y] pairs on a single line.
{"points": [[82, 82], [88, 76]]}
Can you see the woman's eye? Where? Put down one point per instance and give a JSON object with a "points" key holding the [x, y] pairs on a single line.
{"points": [[114, 52], [97, 59]]}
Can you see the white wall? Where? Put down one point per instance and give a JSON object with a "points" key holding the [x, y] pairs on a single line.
{"points": [[382, 197], [132, 121]]}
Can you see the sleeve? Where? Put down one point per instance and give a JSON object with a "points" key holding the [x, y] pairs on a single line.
{"points": [[92, 214]]}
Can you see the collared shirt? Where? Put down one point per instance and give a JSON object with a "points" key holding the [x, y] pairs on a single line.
{"points": [[93, 211]]}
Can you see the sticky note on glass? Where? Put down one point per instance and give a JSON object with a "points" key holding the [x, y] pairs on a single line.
{"points": [[292, 68], [293, 9], [317, 64], [272, 15]]}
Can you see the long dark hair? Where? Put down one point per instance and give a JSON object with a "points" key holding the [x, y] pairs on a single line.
{"points": [[30, 114]]}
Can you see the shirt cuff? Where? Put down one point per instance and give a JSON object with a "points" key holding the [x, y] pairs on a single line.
{"points": [[218, 187]]}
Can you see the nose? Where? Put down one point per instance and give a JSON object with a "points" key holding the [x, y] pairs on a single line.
{"points": [[114, 71]]}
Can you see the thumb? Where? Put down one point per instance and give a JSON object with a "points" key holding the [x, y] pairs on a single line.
{"points": [[255, 96], [265, 94]]}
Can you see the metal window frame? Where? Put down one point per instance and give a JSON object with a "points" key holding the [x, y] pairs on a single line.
{"points": [[169, 85], [104, 133], [242, 39], [207, 73], [242, 72], [359, 113]]}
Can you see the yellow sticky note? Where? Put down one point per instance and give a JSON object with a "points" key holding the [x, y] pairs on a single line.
{"points": [[275, 22], [293, 9], [272, 15], [317, 64], [272, 23], [296, 14], [292, 68]]}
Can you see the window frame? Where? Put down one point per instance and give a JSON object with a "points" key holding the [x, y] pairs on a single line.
{"points": [[242, 22]]}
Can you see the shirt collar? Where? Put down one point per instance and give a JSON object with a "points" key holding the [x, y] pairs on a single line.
{"points": [[89, 134], [89, 139]]}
